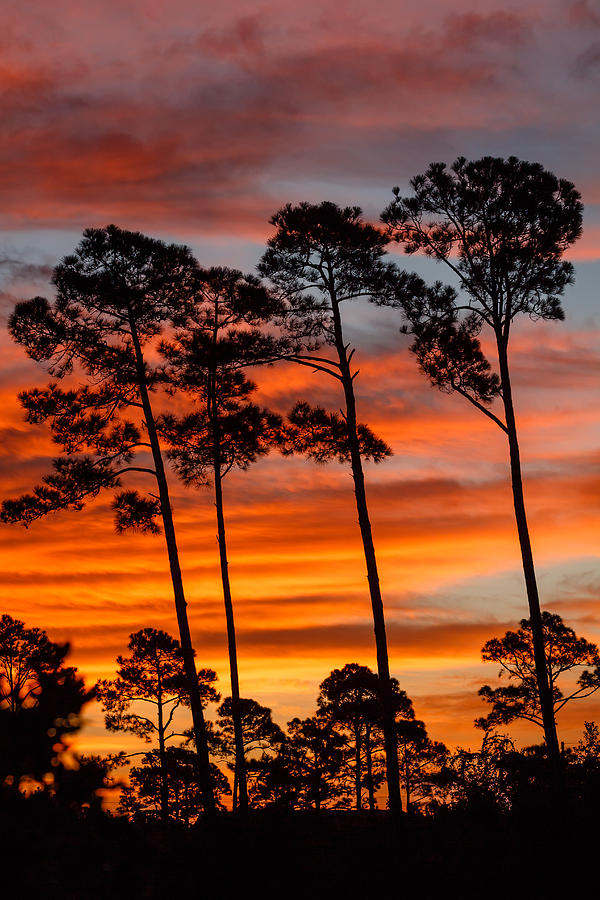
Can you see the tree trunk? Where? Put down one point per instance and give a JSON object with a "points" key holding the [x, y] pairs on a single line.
{"points": [[383, 668], [369, 757], [535, 615], [164, 785], [176, 805], [236, 712], [186, 800], [317, 782], [204, 774], [357, 767]]}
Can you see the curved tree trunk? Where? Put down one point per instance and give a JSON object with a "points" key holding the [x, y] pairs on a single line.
{"points": [[236, 714], [204, 774], [383, 668], [535, 615]]}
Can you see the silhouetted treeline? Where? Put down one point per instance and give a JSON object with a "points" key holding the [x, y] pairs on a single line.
{"points": [[334, 759], [470, 809]]}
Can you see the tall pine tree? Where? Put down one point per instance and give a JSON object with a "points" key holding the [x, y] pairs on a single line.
{"points": [[320, 259], [226, 430], [502, 227], [114, 295]]}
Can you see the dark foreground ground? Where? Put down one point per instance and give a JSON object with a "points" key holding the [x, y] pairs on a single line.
{"points": [[49, 853]]}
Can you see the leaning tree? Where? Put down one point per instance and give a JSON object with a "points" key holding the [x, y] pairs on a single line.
{"points": [[320, 259], [225, 430], [502, 227], [114, 295]]}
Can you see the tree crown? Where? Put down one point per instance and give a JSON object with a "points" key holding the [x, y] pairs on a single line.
{"points": [[205, 360], [502, 225], [115, 293], [514, 652], [153, 674], [114, 282], [26, 655], [323, 436], [351, 696], [40, 703], [322, 255], [259, 730]]}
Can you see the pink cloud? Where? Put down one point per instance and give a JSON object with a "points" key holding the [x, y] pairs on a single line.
{"points": [[130, 116]]}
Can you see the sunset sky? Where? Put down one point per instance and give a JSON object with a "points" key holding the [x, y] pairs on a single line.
{"points": [[194, 123]]}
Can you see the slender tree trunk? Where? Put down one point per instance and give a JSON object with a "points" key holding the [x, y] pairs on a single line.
{"points": [[383, 667], [176, 803], [317, 783], [240, 787], [236, 712], [164, 786], [204, 774], [369, 758], [186, 800], [357, 768], [535, 615]]}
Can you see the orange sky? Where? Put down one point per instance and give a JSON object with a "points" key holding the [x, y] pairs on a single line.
{"points": [[445, 535], [197, 131]]}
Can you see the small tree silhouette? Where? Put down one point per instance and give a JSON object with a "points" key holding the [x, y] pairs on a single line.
{"points": [[40, 705], [114, 294], [259, 732], [479, 780], [421, 761], [272, 779], [142, 799], [226, 430], [150, 686], [349, 700], [501, 226], [316, 755], [587, 749], [516, 656], [319, 258]]}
